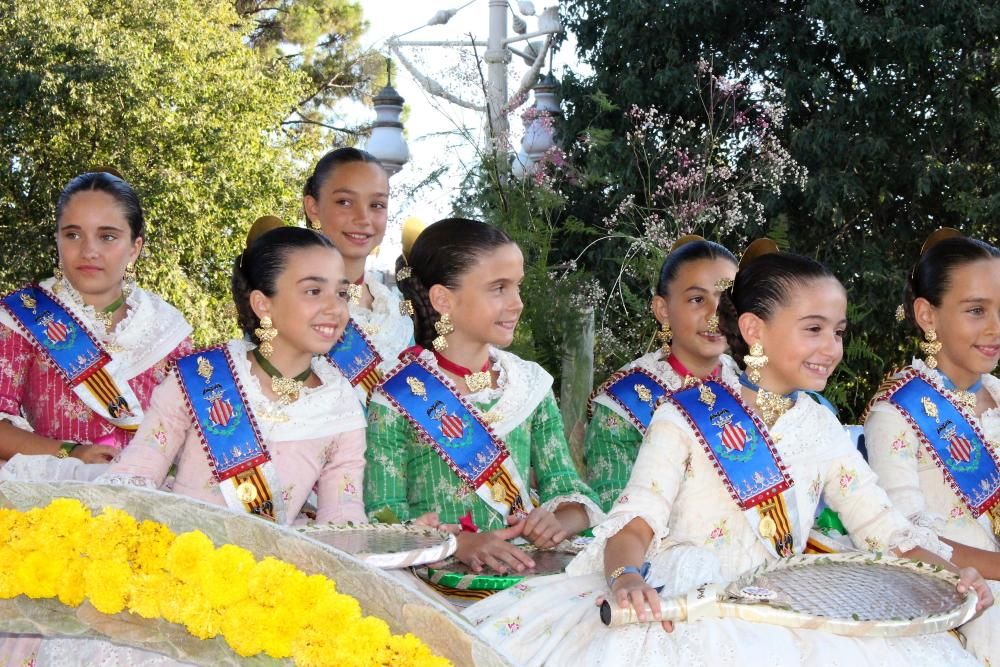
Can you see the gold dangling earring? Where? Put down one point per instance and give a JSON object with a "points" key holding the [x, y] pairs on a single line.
{"points": [[59, 276], [755, 361], [265, 334], [930, 346], [128, 279], [664, 336], [443, 327], [315, 225]]}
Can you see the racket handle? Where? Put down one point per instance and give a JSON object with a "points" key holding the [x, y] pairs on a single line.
{"points": [[674, 609]]}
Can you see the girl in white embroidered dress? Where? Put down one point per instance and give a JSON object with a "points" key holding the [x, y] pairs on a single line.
{"points": [[954, 291], [677, 513], [685, 305], [347, 197]]}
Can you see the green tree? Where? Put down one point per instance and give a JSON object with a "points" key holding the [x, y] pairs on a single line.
{"points": [[892, 107], [168, 92], [321, 39]]}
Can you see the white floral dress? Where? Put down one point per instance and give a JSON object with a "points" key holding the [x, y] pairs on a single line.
{"points": [[700, 535], [919, 490]]}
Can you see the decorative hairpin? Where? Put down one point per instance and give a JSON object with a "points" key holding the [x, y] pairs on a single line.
{"points": [[723, 284], [406, 308]]}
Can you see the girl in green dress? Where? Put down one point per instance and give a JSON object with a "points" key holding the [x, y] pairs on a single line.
{"points": [[460, 427], [692, 279]]}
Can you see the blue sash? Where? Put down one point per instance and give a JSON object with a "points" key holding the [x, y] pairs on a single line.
{"points": [[457, 433], [355, 357], [73, 351], [637, 391], [741, 451], [228, 430], [954, 441], [76, 355]]}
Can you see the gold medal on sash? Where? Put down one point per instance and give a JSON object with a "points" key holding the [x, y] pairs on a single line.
{"points": [[246, 492], [767, 528], [498, 492]]}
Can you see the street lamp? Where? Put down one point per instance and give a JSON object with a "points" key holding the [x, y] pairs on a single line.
{"points": [[539, 131], [387, 142], [497, 55]]}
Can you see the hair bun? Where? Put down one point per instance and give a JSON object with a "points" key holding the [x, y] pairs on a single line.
{"points": [[684, 240], [937, 236], [261, 226], [412, 227], [758, 248], [108, 170]]}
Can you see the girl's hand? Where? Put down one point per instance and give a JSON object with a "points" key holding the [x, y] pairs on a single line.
{"points": [[631, 589], [969, 577], [541, 528], [491, 549], [94, 453]]}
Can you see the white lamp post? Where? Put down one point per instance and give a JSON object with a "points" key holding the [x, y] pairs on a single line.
{"points": [[497, 55], [386, 141]]}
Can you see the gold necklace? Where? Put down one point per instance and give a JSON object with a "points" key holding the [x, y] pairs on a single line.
{"points": [[772, 406], [286, 388]]}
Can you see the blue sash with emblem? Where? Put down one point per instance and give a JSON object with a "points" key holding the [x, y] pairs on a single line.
{"points": [[637, 392], [740, 449], [236, 451], [75, 354], [955, 442], [355, 357], [457, 432]]}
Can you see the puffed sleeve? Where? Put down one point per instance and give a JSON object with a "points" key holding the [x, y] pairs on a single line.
{"points": [[851, 488], [385, 481], [340, 482], [164, 430], [556, 475], [609, 449], [892, 453], [16, 354]]}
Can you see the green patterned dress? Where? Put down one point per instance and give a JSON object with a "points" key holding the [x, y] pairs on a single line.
{"points": [[407, 476], [612, 440]]}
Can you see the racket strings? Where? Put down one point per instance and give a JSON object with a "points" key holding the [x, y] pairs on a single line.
{"points": [[861, 592]]}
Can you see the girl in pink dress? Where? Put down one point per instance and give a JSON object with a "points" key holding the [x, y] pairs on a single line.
{"points": [[290, 293], [99, 234], [52, 426]]}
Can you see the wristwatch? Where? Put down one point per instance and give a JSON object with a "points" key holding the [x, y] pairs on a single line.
{"points": [[628, 569], [66, 449]]}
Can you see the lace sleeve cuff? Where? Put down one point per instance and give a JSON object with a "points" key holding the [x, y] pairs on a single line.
{"points": [[591, 559], [17, 421], [917, 536], [126, 480], [594, 513]]}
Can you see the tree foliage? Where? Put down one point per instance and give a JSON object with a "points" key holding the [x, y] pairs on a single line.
{"points": [[892, 107], [170, 94]]}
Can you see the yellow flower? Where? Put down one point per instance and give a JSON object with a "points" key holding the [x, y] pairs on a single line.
{"points": [[106, 583], [223, 575], [240, 628], [38, 574], [186, 553], [71, 583]]}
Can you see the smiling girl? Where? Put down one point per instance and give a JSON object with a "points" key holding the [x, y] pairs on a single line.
{"points": [[459, 426], [933, 429], [81, 353], [256, 423], [269, 395], [347, 198], [680, 522], [692, 279]]}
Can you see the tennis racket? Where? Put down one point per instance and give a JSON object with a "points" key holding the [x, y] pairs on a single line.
{"points": [[858, 594]]}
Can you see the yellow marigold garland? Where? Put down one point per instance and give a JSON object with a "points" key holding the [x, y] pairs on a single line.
{"points": [[117, 563]]}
